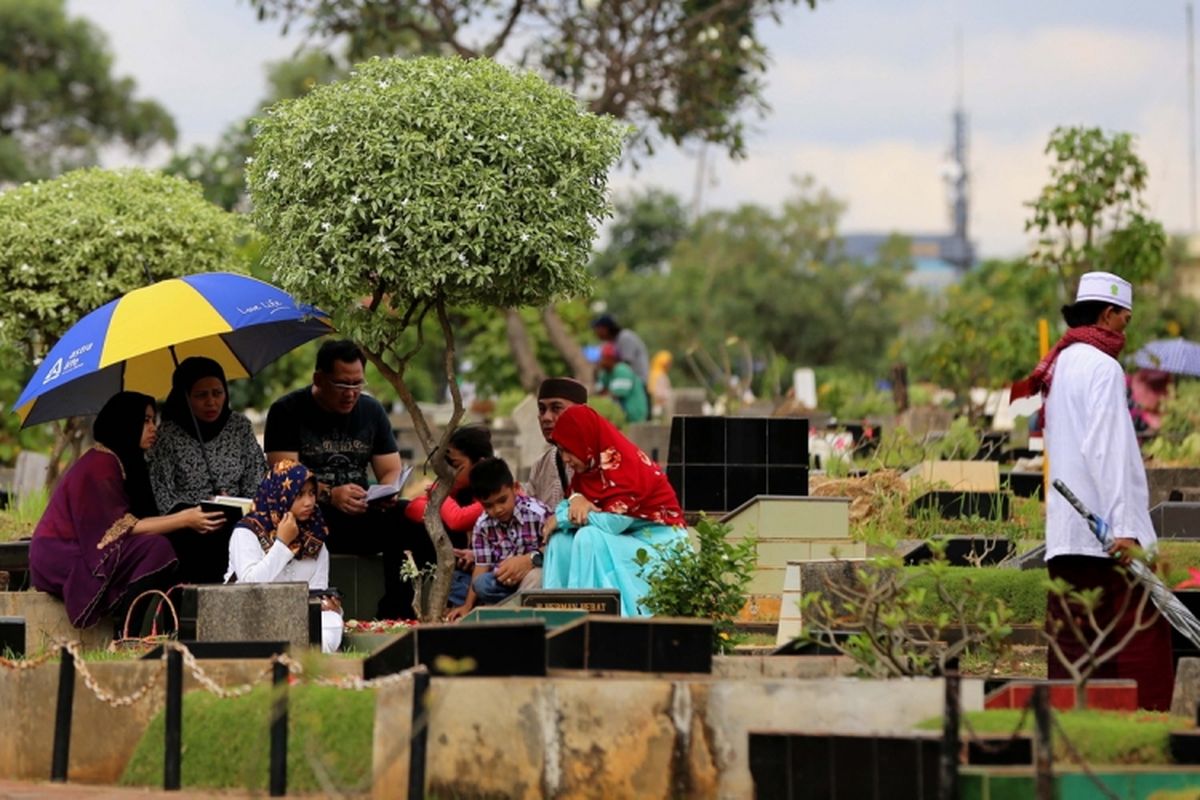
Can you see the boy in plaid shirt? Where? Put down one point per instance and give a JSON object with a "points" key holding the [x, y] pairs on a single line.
{"points": [[507, 539]]}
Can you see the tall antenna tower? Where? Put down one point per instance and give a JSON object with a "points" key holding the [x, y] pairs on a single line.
{"points": [[960, 252]]}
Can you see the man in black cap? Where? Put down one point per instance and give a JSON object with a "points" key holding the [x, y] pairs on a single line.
{"points": [[549, 477]]}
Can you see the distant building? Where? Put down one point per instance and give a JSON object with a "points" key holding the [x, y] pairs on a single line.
{"points": [[935, 255]]}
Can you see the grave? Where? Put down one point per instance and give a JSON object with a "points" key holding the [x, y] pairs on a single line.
{"points": [[592, 601], [529, 442], [961, 505], [966, 551], [652, 438], [46, 623], [1162, 481], [1185, 698], [465, 649], [1181, 646], [14, 562], [1030, 559], [792, 529], [1171, 520], [360, 580], [718, 463], [961, 476], [551, 617], [803, 577], [633, 644], [1024, 484], [245, 612], [791, 766]]}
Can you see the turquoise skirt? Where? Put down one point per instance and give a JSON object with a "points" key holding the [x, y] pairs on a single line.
{"points": [[602, 555]]}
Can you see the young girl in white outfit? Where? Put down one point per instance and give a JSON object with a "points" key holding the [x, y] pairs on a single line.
{"points": [[282, 540]]}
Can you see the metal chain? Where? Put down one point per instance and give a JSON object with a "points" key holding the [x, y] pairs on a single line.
{"points": [[1078, 759], [27, 663], [973, 736], [101, 694]]}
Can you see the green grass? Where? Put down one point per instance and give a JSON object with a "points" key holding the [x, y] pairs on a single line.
{"points": [[226, 742], [1174, 558], [1100, 737], [1023, 591]]}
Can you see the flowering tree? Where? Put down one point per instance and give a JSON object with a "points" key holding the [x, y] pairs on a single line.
{"points": [[420, 184], [70, 245]]}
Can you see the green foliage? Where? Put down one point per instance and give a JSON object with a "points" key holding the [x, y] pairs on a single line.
{"points": [[961, 441], [608, 408], [22, 515], [59, 99], [419, 183], [688, 69], [70, 245], [645, 230], [852, 395], [985, 333], [226, 742], [1178, 440], [485, 344], [774, 281], [1092, 215], [900, 617], [898, 449], [709, 583], [1099, 737], [1022, 590]]}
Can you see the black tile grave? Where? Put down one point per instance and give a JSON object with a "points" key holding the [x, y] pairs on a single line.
{"points": [[1023, 484], [636, 645], [1181, 646], [822, 644], [314, 621], [787, 441], [995, 750], [959, 505], [966, 551], [786, 482], [746, 440], [14, 555], [12, 637], [792, 766], [1175, 520], [467, 649]]}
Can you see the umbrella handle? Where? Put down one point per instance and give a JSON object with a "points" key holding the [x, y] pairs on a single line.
{"points": [[1098, 526]]}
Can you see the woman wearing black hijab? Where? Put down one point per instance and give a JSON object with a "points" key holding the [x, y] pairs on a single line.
{"points": [[204, 449], [101, 540]]}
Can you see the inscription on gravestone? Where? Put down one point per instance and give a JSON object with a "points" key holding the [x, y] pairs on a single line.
{"points": [[593, 601]]}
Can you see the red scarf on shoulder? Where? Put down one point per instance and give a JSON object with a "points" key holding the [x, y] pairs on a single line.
{"points": [[619, 478], [1038, 382]]}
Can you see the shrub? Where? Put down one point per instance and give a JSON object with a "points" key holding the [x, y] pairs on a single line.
{"points": [[708, 583]]}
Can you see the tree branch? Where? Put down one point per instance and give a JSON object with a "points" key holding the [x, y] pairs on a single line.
{"points": [[501, 37]]}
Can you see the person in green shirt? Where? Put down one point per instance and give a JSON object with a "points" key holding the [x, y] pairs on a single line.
{"points": [[618, 380]]}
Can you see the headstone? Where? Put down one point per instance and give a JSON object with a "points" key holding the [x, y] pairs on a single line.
{"points": [[804, 387], [922, 421], [1173, 520], [245, 612], [1034, 558], [1181, 646], [502, 648], [46, 623], [1186, 696], [635, 644], [652, 438], [789, 529], [528, 441], [1024, 484], [1162, 481], [360, 580], [12, 637], [30, 473], [796, 766], [961, 505], [824, 576], [593, 601], [963, 476], [718, 463], [689, 400]]}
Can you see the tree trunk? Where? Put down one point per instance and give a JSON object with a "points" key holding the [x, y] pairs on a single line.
{"points": [[69, 439], [565, 343], [900, 387], [530, 372]]}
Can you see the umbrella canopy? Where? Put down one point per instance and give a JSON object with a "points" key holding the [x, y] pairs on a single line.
{"points": [[134, 342], [1170, 355]]}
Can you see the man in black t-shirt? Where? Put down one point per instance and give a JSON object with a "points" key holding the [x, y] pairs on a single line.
{"points": [[336, 431]]}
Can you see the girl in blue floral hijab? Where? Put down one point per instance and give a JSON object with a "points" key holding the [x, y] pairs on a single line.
{"points": [[283, 539]]}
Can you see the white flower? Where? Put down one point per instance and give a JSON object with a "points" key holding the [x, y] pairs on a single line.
{"points": [[325, 226], [120, 232], [249, 160], [470, 138], [462, 258], [381, 239], [520, 149], [333, 128], [58, 241], [553, 193], [382, 84], [503, 137], [745, 43], [308, 164], [481, 206], [355, 199], [272, 174], [404, 202], [524, 237], [26, 268], [74, 222]]}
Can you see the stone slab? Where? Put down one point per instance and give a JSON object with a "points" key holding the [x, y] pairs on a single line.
{"points": [[1176, 520], [247, 612], [803, 577], [790, 518], [46, 622], [964, 476], [1185, 699], [528, 441], [1161, 481]]}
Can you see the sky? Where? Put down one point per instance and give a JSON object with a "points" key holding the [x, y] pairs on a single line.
{"points": [[861, 95]]}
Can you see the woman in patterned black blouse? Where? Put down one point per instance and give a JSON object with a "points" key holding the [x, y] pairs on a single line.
{"points": [[204, 449]]}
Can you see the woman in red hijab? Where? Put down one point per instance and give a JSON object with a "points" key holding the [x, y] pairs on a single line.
{"points": [[621, 503]]}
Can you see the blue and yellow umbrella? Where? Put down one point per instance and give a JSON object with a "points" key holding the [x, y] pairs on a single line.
{"points": [[134, 342]]}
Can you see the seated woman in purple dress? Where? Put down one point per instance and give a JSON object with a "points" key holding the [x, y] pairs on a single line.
{"points": [[101, 541]]}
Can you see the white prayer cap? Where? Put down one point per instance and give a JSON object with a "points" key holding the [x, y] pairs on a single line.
{"points": [[1105, 287]]}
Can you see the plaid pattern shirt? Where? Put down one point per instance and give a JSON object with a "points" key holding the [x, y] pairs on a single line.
{"points": [[493, 541]]}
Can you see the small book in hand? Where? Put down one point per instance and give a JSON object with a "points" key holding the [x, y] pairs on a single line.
{"points": [[381, 491], [234, 508]]}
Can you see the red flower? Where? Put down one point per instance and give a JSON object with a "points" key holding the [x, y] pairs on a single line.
{"points": [[1192, 581]]}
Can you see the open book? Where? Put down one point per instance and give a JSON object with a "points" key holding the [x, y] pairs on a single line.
{"points": [[382, 491], [234, 508]]}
